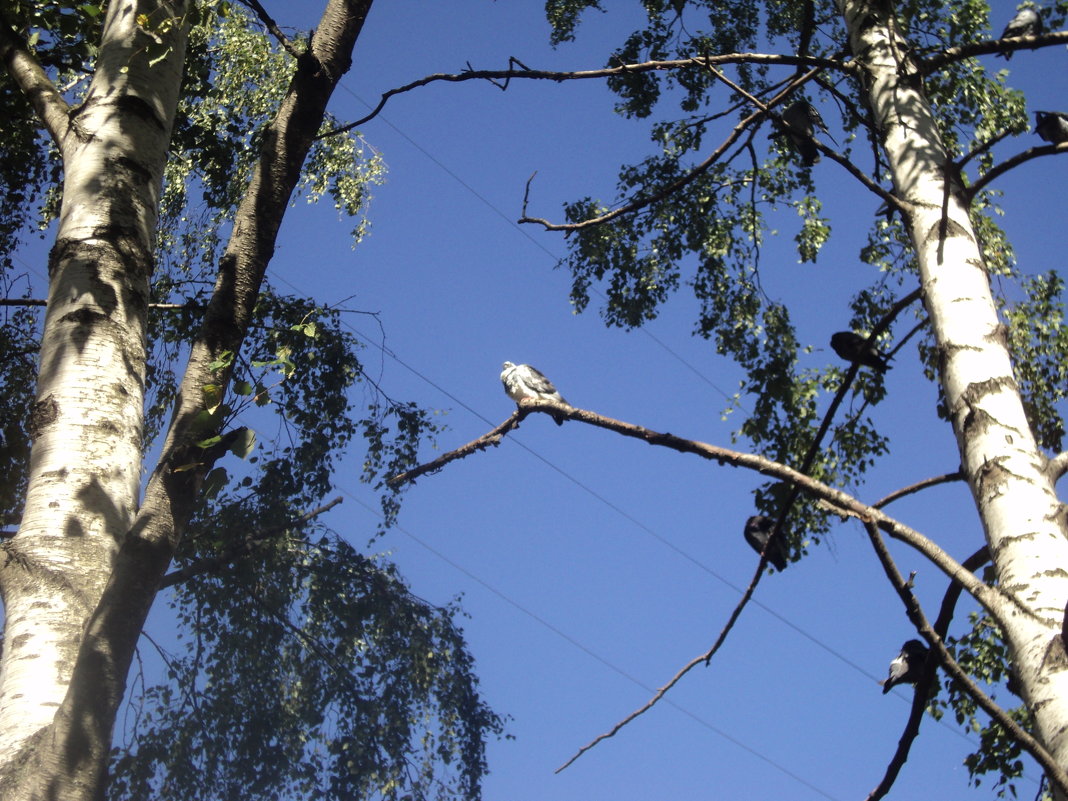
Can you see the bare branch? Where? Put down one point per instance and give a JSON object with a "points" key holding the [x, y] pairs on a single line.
{"points": [[705, 657], [1057, 467], [926, 680], [501, 78], [919, 485], [490, 438], [928, 65], [42, 302], [642, 201], [27, 73], [272, 26], [241, 548], [1000, 169], [988, 596], [834, 155], [1055, 772]]}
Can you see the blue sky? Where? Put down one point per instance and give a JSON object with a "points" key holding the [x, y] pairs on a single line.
{"points": [[594, 567]]}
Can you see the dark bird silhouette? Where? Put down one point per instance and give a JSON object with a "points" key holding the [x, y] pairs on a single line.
{"points": [[1052, 126], [1025, 23], [758, 530], [799, 123], [852, 348], [523, 381], [907, 665]]}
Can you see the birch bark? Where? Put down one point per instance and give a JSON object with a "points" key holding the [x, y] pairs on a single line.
{"points": [[87, 421], [1022, 517]]}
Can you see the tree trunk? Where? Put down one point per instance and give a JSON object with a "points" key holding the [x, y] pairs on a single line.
{"points": [[83, 592], [1022, 517], [85, 468]]}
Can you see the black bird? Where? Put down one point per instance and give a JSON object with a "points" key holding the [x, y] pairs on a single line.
{"points": [[1025, 23], [851, 347], [758, 530], [799, 122], [1052, 126], [906, 666]]}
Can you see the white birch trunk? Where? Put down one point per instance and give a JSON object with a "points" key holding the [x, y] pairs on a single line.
{"points": [[1021, 514], [85, 468]]}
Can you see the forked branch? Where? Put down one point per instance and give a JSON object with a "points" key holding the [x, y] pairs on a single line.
{"points": [[1054, 772]]}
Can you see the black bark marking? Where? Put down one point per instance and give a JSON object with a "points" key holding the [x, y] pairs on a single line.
{"points": [[42, 414]]}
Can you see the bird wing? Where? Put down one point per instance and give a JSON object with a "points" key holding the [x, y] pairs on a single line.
{"points": [[537, 381]]}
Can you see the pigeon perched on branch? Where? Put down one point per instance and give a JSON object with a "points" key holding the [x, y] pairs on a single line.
{"points": [[799, 122], [523, 381], [1025, 23], [1052, 126], [907, 666], [758, 530], [852, 348]]}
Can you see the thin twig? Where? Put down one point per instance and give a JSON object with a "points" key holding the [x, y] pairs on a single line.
{"points": [[919, 485], [490, 438], [1000, 169], [640, 202], [950, 55], [834, 155], [559, 76], [272, 26], [705, 657]]}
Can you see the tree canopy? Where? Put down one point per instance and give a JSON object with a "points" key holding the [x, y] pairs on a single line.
{"points": [[307, 667]]}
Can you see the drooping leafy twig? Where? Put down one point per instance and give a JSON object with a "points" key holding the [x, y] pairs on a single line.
{"points": [[242, 548]]}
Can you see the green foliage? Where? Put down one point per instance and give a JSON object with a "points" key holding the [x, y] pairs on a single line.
{"points": [[18, 373], [325, 676], [701, 222], [1038, 341], [307, 669]]}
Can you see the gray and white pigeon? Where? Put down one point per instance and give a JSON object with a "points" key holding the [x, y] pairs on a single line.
{"points": [[523, 381], [851, 347], [758, 530], [1025, 23], [799, 122], [1052, 126], [907, 665]]}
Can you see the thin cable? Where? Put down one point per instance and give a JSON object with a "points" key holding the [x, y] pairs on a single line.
{"points": [[593, 654], [485, 201]]}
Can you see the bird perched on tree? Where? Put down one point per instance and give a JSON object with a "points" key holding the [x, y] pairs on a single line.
{"points": [[758, 530], [852, 348], [799, 122], [1025, 23], [1052, 126], [523, 381], [907, 665]]}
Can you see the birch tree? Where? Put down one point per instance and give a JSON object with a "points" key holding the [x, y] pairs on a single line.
{"points": [[182, 132], [917, 108]]}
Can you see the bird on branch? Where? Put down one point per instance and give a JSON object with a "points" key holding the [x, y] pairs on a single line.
{"points": [[523, 381]]}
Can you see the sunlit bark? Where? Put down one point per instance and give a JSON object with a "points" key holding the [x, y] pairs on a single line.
{"points": [[1014, 494]]}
